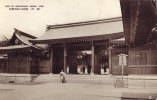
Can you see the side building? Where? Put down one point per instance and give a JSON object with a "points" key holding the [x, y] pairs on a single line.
{"points": [[140, 29], [22, 57]]}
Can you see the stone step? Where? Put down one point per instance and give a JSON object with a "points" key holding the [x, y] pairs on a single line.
{"points": [[101, 79], [56, 78], [133, 80]]}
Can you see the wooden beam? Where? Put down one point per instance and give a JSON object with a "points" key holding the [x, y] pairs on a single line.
{"points": [[125, 8]]}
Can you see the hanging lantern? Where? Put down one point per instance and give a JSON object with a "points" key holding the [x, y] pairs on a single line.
{"points": [[106, 53]]}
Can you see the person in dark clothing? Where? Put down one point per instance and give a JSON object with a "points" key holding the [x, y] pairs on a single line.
{"points": [[104, 68], [89, 69], [83, 69]]}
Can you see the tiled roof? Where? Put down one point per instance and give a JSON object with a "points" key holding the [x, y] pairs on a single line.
{"points": [[83, 31], [23, 37], [17, 48], [139, 17], [83, 38]]}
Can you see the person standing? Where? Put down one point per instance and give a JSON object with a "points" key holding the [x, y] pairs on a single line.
{"points": [[104, 65], [83, 69], [62, 76], [89, 69]]}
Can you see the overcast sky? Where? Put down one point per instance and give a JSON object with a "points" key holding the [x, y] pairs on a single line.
{"points": [[54, 12]]}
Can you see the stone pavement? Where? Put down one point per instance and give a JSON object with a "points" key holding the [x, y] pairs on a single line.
{"points": [[78, 87], [140, 81], [134, 81], [67, 91]]}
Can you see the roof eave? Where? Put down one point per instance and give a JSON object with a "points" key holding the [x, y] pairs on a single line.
{"points": [[78, 39]]}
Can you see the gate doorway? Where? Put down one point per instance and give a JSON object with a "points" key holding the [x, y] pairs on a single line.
{"points": [[78, 59], [78, 62], [83, 62], [103, 65], [58, 60]]}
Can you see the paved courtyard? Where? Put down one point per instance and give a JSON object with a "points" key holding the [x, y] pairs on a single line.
{"points": [[67, 91]]}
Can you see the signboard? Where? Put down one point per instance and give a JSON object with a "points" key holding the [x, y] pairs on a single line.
{"points": [[122, 63], [122, 59]]}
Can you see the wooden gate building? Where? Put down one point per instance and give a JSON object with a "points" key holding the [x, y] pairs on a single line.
{"points": [[69, 44]]}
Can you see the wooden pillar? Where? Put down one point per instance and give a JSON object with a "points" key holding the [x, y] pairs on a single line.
{"points": [[150, 60], [51, 59], [110, 60], [93, 54], [65, 59], [29, 61], [7, 64]]}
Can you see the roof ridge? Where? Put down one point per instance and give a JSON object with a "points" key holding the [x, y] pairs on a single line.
{"points": [[25, 34], [83, 23]]}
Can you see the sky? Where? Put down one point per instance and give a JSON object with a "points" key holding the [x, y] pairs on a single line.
{"points": [[52, 12]]}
